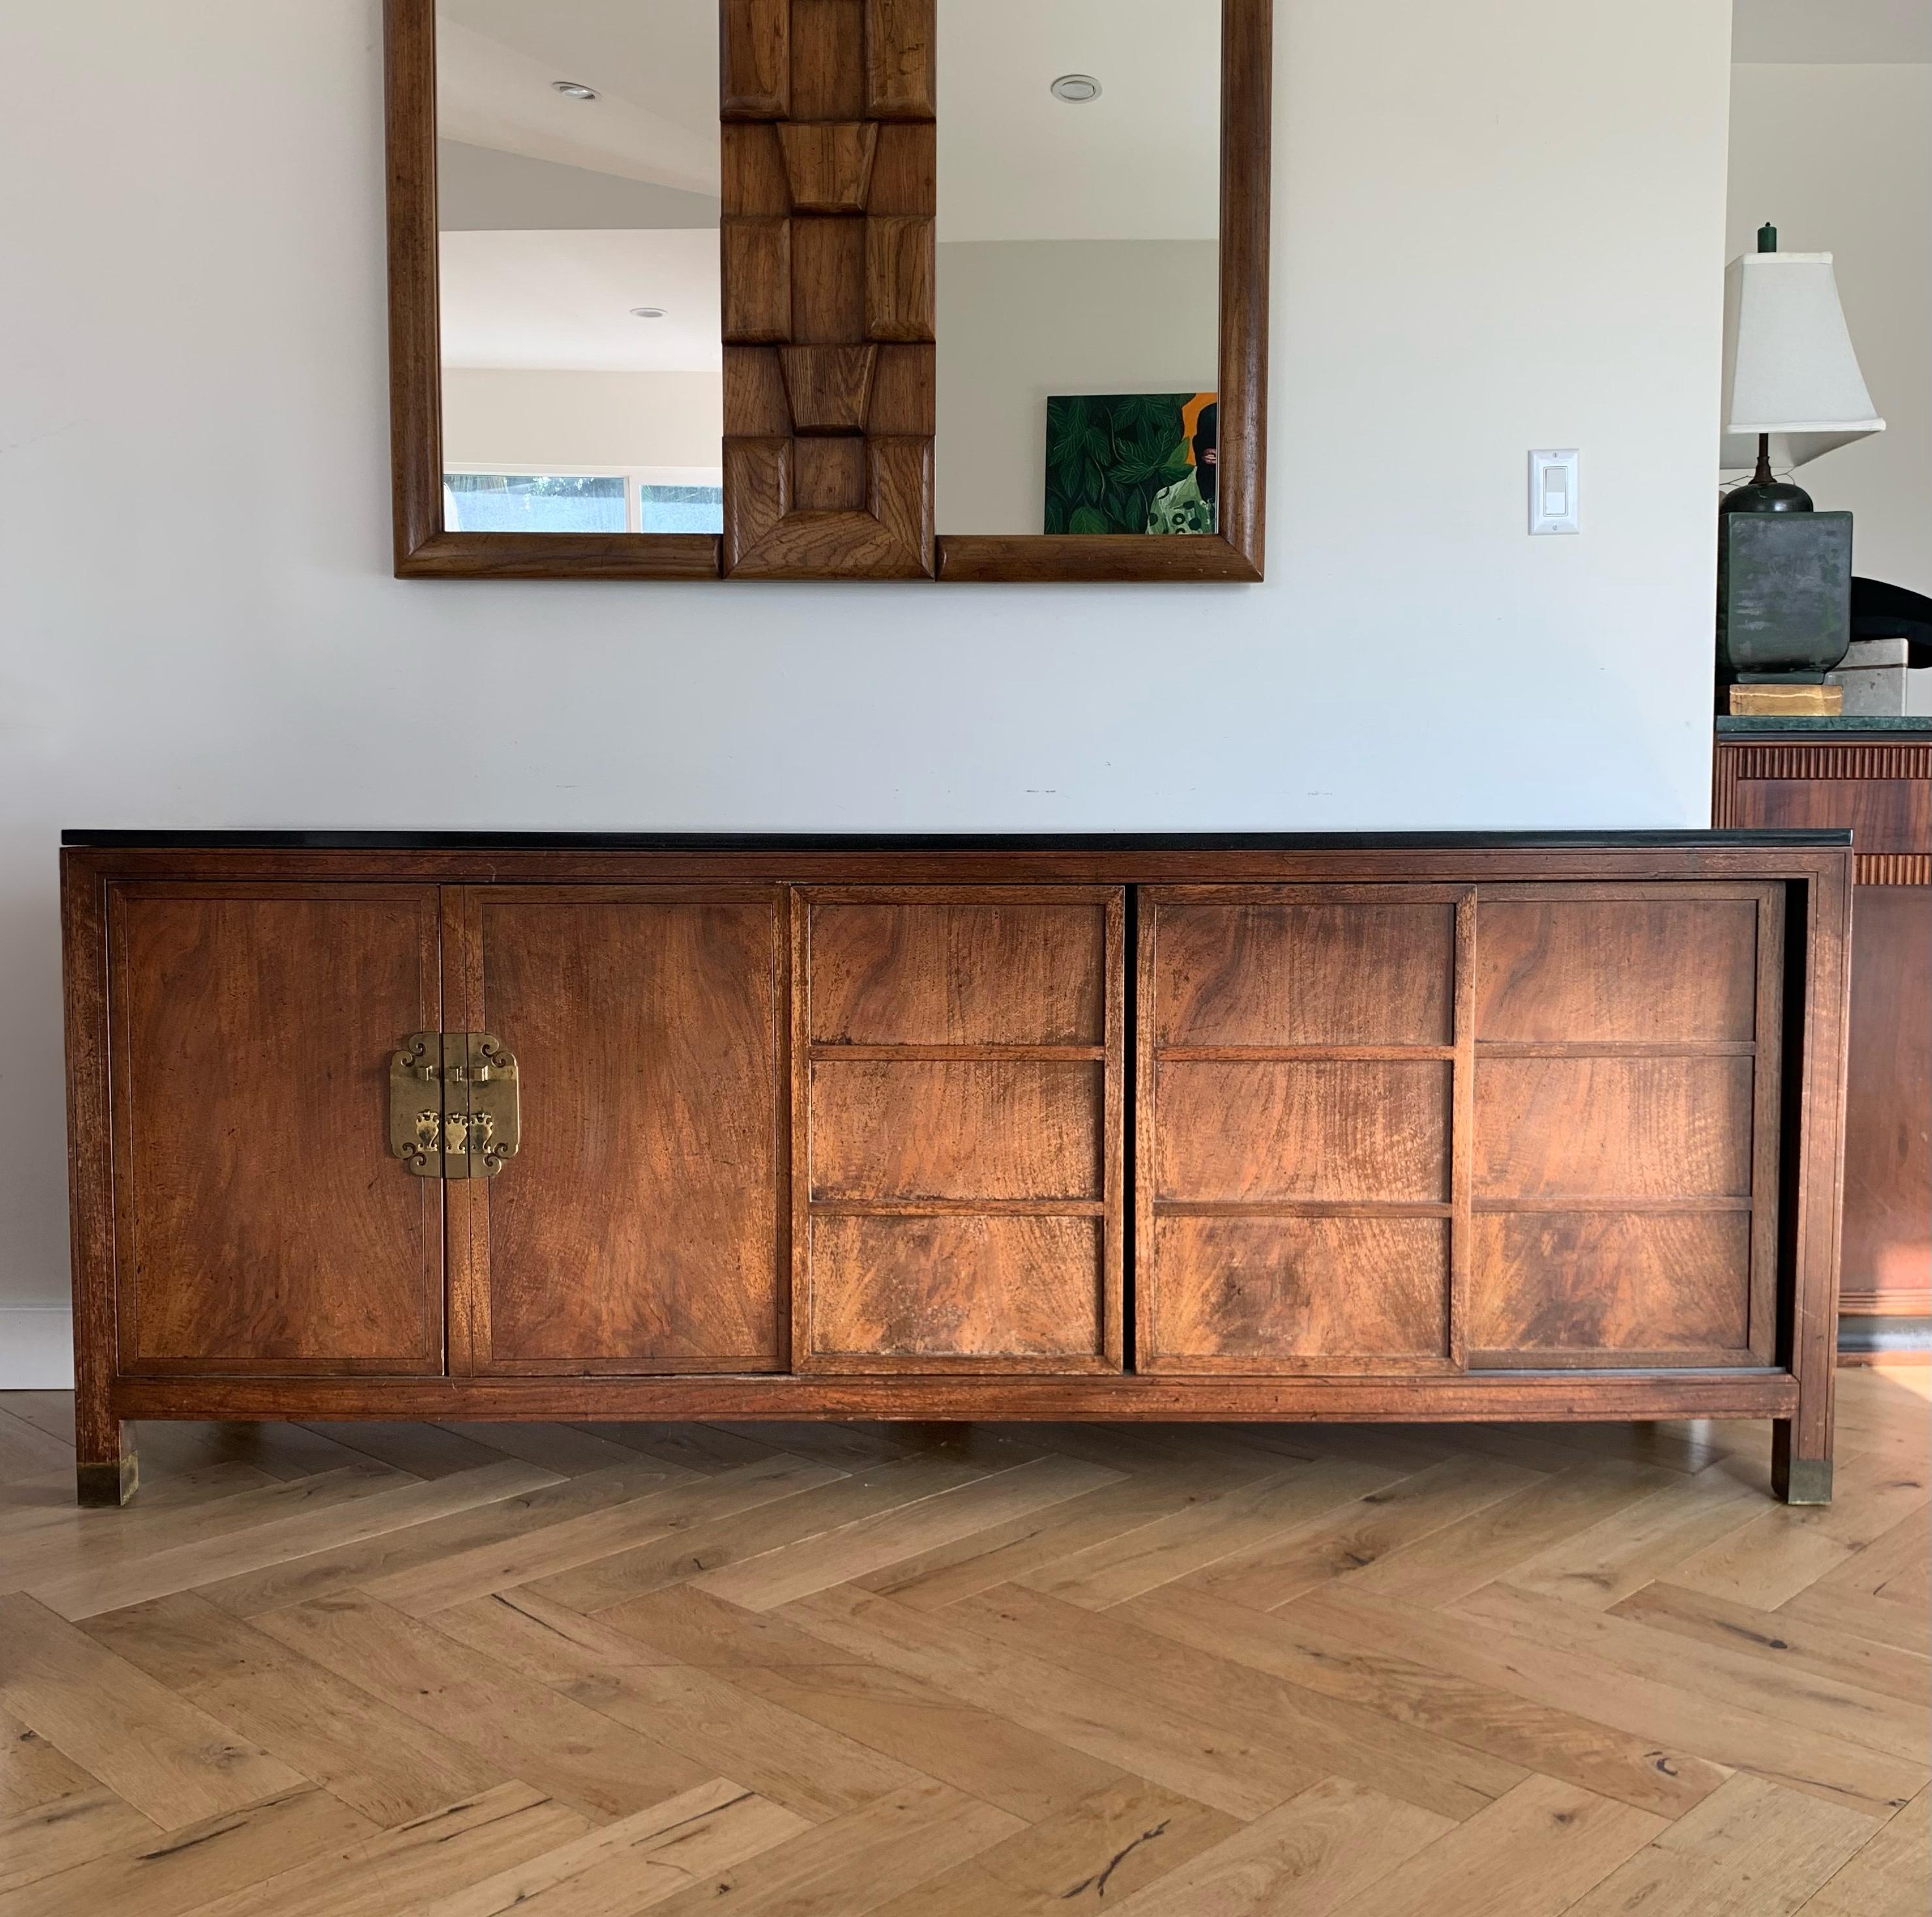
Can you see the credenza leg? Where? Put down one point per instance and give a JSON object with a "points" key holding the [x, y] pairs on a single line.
{"points": [[1796, 1479], [106, 1468]]}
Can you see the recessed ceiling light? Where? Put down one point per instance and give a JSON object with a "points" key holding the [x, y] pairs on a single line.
{"points": [[647, 312], [1076, 88], [573, 89]]}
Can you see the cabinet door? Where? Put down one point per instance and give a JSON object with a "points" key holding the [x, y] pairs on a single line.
{"points": [[1626, 1125], [636, 1229], [261, 1224], [956, 1129], [1297, 1170]]}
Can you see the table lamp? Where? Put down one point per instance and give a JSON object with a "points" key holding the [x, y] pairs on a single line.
{"points": [[1791, 391]]}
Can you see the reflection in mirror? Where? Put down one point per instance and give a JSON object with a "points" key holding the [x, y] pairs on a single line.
{"points": [[577, 211], [1078, 262]]}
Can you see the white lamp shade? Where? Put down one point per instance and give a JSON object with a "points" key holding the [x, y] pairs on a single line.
{"points": [[1790, 369]]}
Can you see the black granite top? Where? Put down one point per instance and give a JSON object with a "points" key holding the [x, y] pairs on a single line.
{"points": [[1849, 724], [947, 841]]}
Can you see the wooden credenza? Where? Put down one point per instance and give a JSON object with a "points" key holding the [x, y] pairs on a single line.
{"points": [[1429, 1126], [1879, 783]]}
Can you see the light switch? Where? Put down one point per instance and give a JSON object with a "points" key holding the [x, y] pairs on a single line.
{"points": [[1553, 491]]}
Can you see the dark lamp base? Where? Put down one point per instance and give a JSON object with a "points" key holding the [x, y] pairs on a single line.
{"points": [[1774, 496]]}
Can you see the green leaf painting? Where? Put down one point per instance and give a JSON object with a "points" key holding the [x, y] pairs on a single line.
{"points": [[1109, 454]]}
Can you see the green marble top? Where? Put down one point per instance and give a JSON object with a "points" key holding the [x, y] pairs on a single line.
{"points": [[1853, 722]]}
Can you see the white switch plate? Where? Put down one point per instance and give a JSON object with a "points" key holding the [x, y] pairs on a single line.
{"points": [[1553, 490]]}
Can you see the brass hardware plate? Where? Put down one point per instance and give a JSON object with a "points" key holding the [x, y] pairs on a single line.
{"points": [[454, 1110], [416, 1104], [482, 1128]]}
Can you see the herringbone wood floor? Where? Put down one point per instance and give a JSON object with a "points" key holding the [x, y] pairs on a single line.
{"points": [[358, 1671]]}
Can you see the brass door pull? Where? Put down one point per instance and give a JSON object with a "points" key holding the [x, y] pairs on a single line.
{"points": [[453, 1104]]}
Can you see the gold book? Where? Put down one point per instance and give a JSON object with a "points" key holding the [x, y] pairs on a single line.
{"points": [[1788, 701]]}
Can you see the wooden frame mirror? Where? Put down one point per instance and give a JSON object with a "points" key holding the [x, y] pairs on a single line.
{"points": [[827, 195]]}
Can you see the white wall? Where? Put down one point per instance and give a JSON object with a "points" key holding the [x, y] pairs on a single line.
{"points": [[1839, 159], [554, 418], [199, 628], [1017, 320]]}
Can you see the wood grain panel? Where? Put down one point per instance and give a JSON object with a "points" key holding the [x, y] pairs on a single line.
{"points": [[261, 1222], [1638, 1128], [903, 1290], [754, 39], [957, 1200], [829, 163], [828, 253], [958, 974], [1887, 1216], [1265, 1294], [899, 37], [1886, 815], [1289, 973], [1609, 1287], [968, 1129], [1319, 1129], [638, 1227], [1643, 970]]}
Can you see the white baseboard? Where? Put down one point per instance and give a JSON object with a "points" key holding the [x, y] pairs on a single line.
{"points": [[36, 1347]]}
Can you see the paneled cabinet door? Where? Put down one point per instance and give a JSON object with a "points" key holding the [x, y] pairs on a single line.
{"points": [[1298, 1178], [957, 1082], [636, 1229], [1625, 1125], [1416, 1128], [261, 1224]]}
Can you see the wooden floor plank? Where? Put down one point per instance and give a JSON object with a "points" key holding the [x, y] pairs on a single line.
{"points": [[324, 1573], [1780, 1640], [519, 1727], [1530, 1854], [1720, 1732], [1117, 1728], [1598, 1567], [851, 1866], [1464, 1555], [1344, 1540], [1246, 1519], [358, 1747], [983, 1753], [1315, 1853], [399, 1870], [542, 1551], [1088, 1856], [1900, 1726], [1787, 1547], [69, 1830], [171, 1761], [81, 1594], [32, 1770], [1334, 1736], [777, 1577], [1889, 1875], [185, 1869], [711, 1542], [1750, 1849], [793, 1759], [1535, 1736], [640, 1861]]}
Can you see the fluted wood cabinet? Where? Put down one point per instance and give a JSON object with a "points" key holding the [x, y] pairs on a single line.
{"points": [[1877, 782], [1431, 1127]]}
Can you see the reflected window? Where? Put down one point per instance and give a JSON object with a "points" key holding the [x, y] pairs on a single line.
{"points": [[532, 502], [681, 509]]}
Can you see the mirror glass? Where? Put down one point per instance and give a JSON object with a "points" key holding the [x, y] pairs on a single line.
{"points": [[577, 211], [1078, 262]]}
